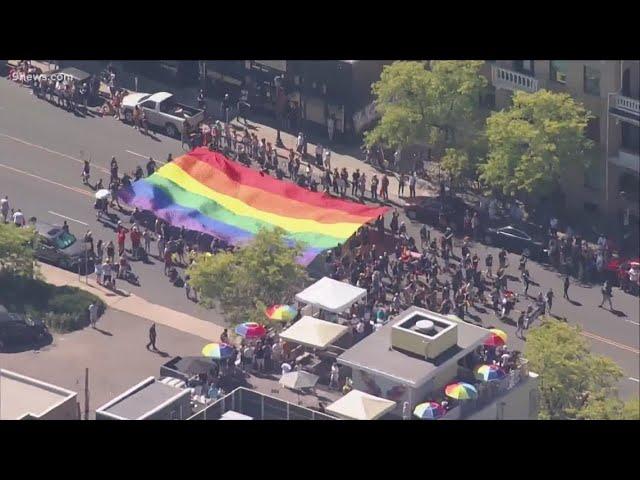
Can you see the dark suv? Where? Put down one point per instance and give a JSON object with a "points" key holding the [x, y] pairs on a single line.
{"points": [[430, 210], [60, 248], [17, 331]]}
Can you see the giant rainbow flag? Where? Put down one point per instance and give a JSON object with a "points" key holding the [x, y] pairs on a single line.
{"points": [[207, 192]]}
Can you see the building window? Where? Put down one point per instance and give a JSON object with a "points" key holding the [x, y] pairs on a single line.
{"points": [[558, 70], [591, 81], [524, 66]]}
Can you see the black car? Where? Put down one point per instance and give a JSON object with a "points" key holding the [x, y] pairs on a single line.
{"points": [[20, 331], [438, 212], [61, 248], [514, 240]]}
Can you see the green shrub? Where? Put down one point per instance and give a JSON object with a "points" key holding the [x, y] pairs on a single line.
{"points": [[64, 322], [63, 309]]}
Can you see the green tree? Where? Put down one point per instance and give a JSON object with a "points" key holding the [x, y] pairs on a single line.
{"points": [[570, 375], [433, 104], [264, 272], [16, 250], [610, 408], [535, 143]]}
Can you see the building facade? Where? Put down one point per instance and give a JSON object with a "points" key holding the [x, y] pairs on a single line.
{"points": [[610, 90]]}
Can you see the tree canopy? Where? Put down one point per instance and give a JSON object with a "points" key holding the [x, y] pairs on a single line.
{"points": [[610, 408], [432, 104], [533, 144], [574, 383], [16, 250], [264, 272]]}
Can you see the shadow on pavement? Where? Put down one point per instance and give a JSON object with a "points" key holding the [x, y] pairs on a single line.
{"points": [[104, 332], [618, 313], [574, 303], [46, 341]]}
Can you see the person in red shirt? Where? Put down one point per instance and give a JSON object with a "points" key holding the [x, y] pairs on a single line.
{"points": [[135, 241], [122, 236]]}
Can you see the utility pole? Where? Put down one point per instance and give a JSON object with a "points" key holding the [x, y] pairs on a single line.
{"points": [[86, 393]]}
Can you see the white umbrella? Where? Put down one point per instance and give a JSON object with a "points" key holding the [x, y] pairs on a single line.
{"points": [[298, 380], [102, 194]]}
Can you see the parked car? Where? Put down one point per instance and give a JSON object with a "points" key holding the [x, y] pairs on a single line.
{"points": [[514, 240], [163, 112], [20, 330], [429, 210], [60, 248]]}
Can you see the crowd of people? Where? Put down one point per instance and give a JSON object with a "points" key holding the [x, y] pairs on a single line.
{"points": [[437, 277], [61, 90]]}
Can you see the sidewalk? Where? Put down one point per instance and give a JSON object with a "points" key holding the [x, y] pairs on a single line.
{"points": [[188, 95], [340, 161], [134, 305]]}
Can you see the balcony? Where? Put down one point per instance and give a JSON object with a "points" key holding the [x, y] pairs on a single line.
{"points": [[625, 108], [511, 80]]}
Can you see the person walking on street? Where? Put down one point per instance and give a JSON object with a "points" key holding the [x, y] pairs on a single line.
{"points": [[401, 183], [606, 294], [384, 187], [146, 237], [93, 314], [549, 300], [4, 208], [521, 324], [151, 167], [334, 382], [566, 287], [224, 336], [412, 185], [488, 261], [152, 338], [425, 236], [374, 187], [526, 280]]}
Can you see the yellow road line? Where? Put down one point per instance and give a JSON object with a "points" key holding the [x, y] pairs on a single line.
{"points": [[73, 189], [48, 150], [610, 342]]}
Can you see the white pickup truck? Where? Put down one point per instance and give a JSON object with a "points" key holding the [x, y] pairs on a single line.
{"points": [[162, 112]]}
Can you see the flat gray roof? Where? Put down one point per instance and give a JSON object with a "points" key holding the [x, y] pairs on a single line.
{"points": [[138, 403], [21, 395], [375, 355]]}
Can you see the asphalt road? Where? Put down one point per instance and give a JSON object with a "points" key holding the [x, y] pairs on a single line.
{"points": [[40, 165]]}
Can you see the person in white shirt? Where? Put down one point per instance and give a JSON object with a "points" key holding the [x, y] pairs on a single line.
{"points": [[18, 218], [406, 411], [634, 278], [360, 328], [300, 143], [4, 208], [93, 314], [334, 381], [327, 158], [285, 367]]}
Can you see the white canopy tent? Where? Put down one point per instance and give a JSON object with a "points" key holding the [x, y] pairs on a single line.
{"points": [[313, 332], [357, 405], [331, 295]]}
